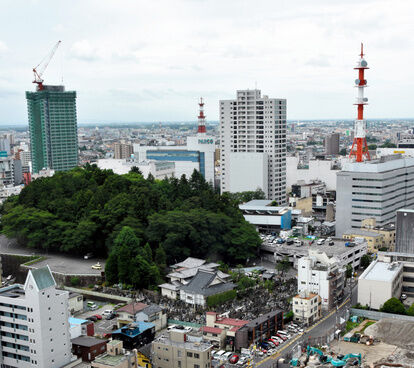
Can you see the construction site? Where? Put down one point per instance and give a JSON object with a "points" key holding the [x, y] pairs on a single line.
{"points": [[375, 344]]}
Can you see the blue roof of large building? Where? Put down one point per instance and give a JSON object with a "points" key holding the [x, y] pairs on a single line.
{"points": [[76, 321], [134, 329]]}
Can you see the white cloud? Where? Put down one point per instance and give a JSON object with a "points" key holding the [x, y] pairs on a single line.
{"points": [[135, 52], [3, 47]]}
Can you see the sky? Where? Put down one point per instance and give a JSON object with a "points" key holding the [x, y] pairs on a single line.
{"points": [[139, 61]]}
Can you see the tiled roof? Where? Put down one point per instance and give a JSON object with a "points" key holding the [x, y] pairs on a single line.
{"points": [[200, 284], [190, 262], [133, 307], [214, 330], [231, 322]]}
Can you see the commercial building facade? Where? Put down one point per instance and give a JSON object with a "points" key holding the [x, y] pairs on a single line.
{"points": [[53, 128], [34, 323], [253, 125], [373, 189]]}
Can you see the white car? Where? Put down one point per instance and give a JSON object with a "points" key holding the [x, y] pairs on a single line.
{"points": [[227, 356], [107, 312], [242, 360], [219, 354]]}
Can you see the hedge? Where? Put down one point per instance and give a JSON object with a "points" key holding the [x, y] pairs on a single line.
{"points": [[221, 298]]}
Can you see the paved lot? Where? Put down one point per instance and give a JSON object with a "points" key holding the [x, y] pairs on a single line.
{"points": [[66, 264], [101, 326]]}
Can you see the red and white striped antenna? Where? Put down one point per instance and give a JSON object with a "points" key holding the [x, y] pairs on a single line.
{"points": [[201, 117], [359, 148]]}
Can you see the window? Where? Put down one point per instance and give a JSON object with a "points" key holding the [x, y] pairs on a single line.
{"points": [[190, 355], [196, 366], [196, 355]]}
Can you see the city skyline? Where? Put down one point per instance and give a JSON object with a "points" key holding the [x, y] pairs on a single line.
{"points": [[152, 62]]}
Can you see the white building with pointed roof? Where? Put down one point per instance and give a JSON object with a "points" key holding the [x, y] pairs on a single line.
{"points": [[34, 327]]}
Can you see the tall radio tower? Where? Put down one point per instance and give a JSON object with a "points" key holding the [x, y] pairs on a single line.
{"points": [[201, 117], [359, 146]]}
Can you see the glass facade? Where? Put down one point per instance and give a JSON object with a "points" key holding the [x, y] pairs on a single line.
{"points": [[53, 128]]}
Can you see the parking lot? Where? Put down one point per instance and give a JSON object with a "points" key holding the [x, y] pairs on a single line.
{"points": [[102, 326], [257, 353]]}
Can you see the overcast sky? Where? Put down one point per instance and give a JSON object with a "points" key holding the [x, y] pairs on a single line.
{"points": [[137, 60]]}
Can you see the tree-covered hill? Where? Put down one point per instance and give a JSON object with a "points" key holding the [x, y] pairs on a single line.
{"points": [[84, 210]]}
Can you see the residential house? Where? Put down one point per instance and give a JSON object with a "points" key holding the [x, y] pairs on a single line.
{"points": [[202, 285], [135, 312], [307, 307], [116, 358], [88, 347], [135, 334]]}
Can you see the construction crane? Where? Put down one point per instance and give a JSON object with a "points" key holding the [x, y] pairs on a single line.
{"points": [[39, 69]]}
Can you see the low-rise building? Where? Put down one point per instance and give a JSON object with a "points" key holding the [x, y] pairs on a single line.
{"points": [[175, 351], [380, 282], [407, 260], [115, 357], [135, 334], [321, 275], [135, 312], [75, 302], [220, 330], [307, 307], [202, 285], [79, 327], [88, 347], [259, 329], [184, 272], [374, 240], [267, 216]]}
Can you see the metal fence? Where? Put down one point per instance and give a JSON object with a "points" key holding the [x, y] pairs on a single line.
{"points": [[379, 315], [183, 323]]}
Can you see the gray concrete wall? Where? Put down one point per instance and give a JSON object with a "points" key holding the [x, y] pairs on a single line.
{"points": [[404, 240], [379, 315]]}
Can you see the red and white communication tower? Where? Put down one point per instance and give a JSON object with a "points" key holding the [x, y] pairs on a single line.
{"points": [[201, 117], [359, 146]]}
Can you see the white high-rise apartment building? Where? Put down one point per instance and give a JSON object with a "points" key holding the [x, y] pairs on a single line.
{"points": [[34, 327], [253, 144]]}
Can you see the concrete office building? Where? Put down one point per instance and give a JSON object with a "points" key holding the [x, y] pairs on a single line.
{"points": [[373, 189], [380, 282], [53, 128], [321, 275], [407, 260], [405, 229], [34, 323], [332, 144], [176, 351], [122, 150], [10, 171], [253, 144]]}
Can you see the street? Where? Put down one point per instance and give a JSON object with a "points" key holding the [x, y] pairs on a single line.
{"points": [[319, 330]]}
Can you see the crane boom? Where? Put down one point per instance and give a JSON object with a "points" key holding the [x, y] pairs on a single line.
{"points": [[39, 69]]}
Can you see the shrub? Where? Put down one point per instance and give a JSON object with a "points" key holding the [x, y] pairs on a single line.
{"points": [[288, 317], [221, 298], [393, 305], [75, 281]]}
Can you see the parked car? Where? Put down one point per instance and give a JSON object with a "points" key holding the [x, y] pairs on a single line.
{"points": [[107, 335], [234, 359], [184, 328], [107, 312], [96, 266], [91, 306], [331, 243], [276, 343], [98, 316], [218, 354], [243, 360], [227, 356], [320, 241], [289, 241], [92, 318], [403, 296]]}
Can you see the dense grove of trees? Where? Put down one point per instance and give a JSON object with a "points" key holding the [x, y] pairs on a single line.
{"points": [[93, 210]]}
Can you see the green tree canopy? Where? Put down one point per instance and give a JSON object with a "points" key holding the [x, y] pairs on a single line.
{"points": [[393, 305], [365, 261]]}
